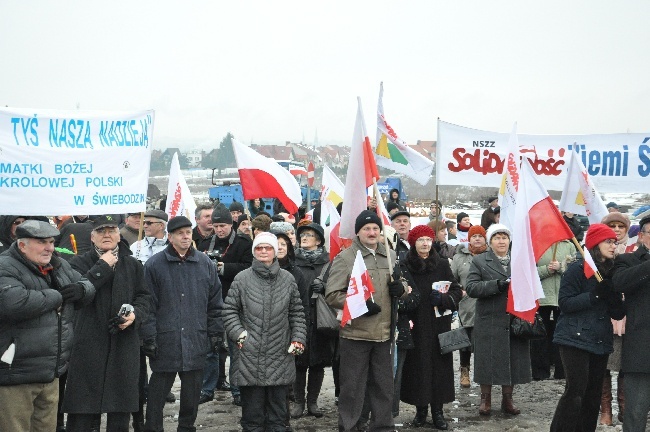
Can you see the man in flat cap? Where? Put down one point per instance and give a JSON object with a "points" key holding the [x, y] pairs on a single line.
{"points": [[38, 295], [184, 324], [104, 368], [155, 240]]}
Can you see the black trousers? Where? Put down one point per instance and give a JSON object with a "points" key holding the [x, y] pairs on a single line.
{"points": [[115, 422], [543, 352], [578, 407], [263, 409], [371, 363], [160, 384]]}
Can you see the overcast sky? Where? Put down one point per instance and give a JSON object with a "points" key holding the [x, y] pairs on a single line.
{"points": [[272, 71]]}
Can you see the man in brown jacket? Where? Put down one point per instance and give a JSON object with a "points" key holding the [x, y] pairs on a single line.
{"points": [[364, 345]]}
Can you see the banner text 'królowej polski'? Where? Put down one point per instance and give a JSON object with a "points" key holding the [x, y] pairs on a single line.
{"points": [[65, 162]]}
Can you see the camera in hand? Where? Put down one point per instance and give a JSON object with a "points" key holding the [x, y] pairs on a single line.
{"points": [[214, 255]]}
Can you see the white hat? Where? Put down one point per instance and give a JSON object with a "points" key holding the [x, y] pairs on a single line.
{"points": [[266, 238], [497, 228]]}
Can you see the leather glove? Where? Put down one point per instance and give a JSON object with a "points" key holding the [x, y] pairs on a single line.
{"points": [[215, 343], [296, 348], [150, 348], [435, 298], [317, 286], [503, 285], [113, 324], [72, 292], [373, 308], [395, 288]]}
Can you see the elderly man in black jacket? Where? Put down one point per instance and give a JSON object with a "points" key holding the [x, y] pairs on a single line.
{"points": [[38, 294], [184, 324], [104, 367], [632, 278], [231, 253]]}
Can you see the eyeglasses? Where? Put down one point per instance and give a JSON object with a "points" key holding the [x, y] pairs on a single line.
{"points": [[611, 242], [307, 235], [615, 225], [263, 248], [150, 222], [424, 240]]}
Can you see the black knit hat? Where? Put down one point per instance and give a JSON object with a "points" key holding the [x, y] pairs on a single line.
{"points": [[221, 214], [461, 216], [236, 206], [364, 218]]}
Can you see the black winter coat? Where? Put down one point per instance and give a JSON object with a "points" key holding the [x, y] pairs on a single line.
{"points": [[584, 320], [576, 228], [104, 368], [428, 376], [28, 317], [186, 307], [6, 223], [632, 278], [320, 347], [236, 254]]}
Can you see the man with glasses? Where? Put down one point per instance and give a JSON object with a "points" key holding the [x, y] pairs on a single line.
{"points": [[155, 236], [632, 278]]}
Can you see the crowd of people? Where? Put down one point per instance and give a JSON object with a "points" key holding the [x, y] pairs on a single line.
{"points": [[90, 304]]}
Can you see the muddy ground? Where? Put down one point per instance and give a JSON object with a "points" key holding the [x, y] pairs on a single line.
{"points": [[537, 401]]}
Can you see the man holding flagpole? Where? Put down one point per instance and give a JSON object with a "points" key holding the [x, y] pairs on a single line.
{"points": [[364, 344]]}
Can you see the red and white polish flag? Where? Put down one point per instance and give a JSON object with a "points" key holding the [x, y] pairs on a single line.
{"points": [[537, 225], [263, 177], [359, 290]]}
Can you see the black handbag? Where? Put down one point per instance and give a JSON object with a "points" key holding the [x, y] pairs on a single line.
{"points": [[326, 322], [530, 331], [454, 339]]}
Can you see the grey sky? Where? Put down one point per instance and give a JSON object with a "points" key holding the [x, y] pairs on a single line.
{"points": [[271, 71]]}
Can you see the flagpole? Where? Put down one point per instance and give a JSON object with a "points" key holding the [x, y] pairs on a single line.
{"points": [[378, 197], [554, 251], [599, 278]]}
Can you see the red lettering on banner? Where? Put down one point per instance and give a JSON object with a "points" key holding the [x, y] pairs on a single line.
{"points": [[486, 162], [176, 203]]}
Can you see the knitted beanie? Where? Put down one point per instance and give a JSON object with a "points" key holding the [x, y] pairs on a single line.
{"points": [[366, 217], [476, 229], [266, 238], [221, 214], [598, 233], [495, 229], [420, 231], [284, 227], [461, 216]]}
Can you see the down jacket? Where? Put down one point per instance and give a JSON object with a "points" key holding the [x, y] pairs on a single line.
{"points": [[29, 318], [265, 302]]}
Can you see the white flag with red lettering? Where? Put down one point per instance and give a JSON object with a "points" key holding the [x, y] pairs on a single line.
{"points": [[510, 181], [359, 290], [179, 197]]}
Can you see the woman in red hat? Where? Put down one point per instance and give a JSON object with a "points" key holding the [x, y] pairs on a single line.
{"points": [[428, 376], [584, 332]]}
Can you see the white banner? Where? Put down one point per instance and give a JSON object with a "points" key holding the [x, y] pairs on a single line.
{"points": [[65, 162], [472, 157]]}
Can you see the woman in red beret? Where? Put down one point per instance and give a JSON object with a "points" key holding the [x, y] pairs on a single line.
{"points": [[584, 332], [428, 376]]}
